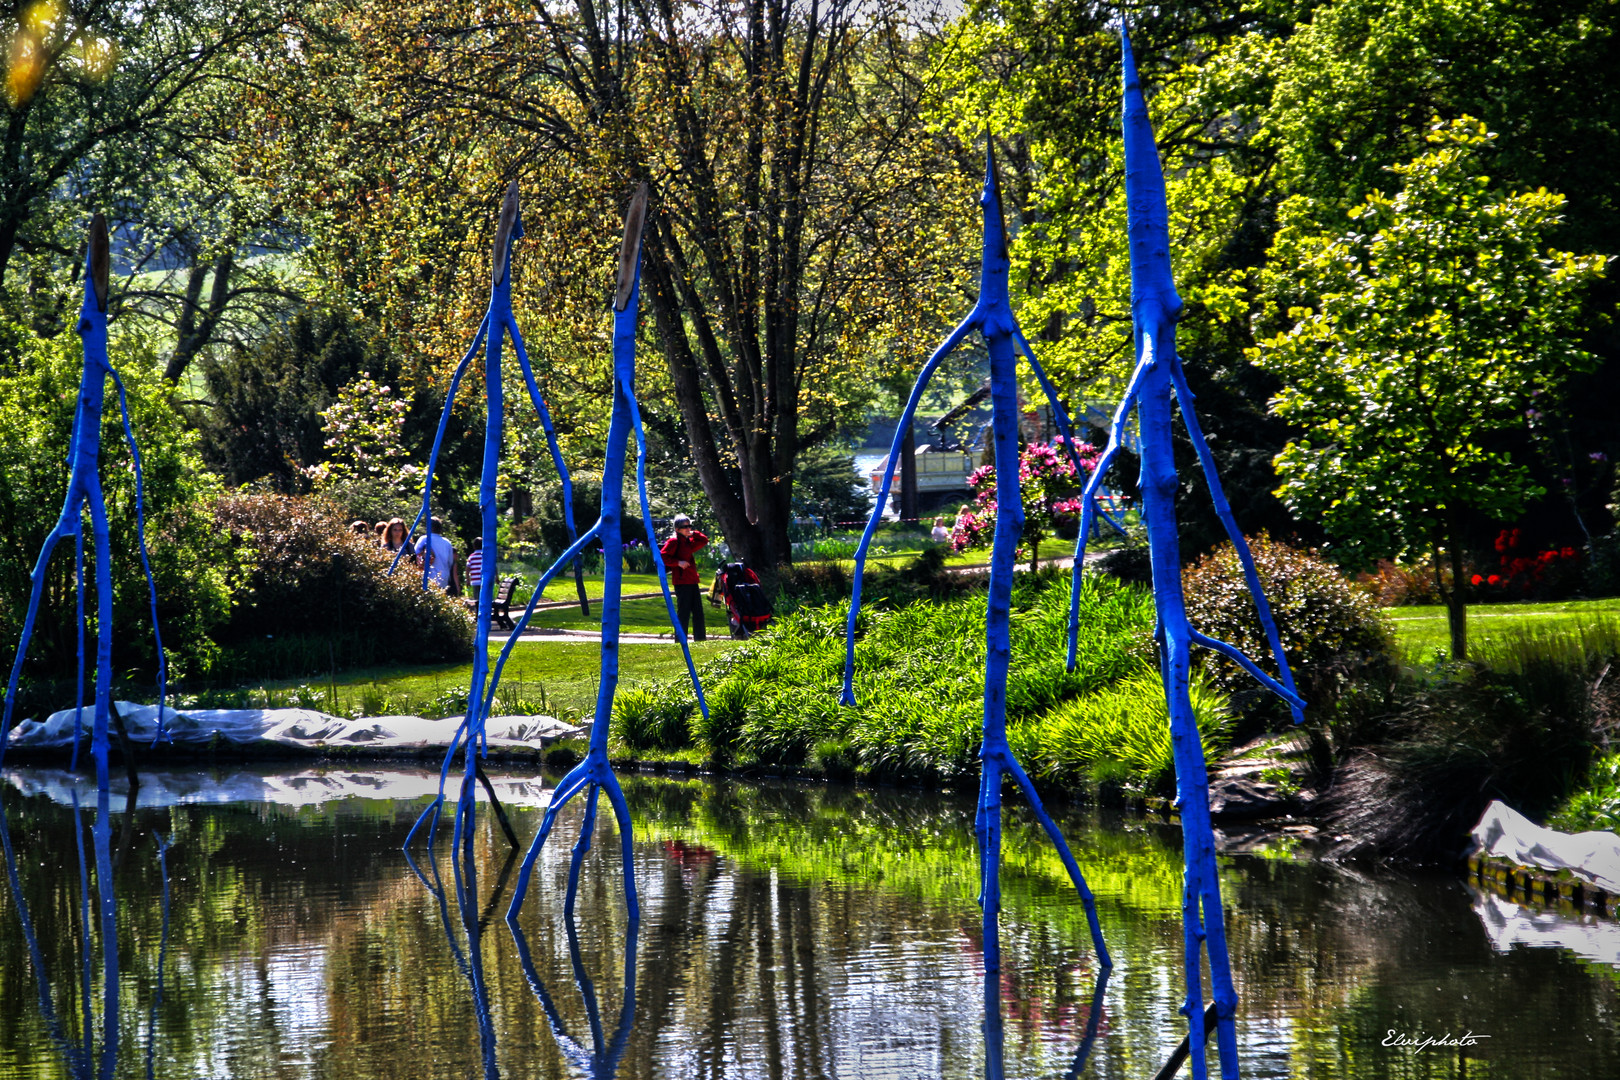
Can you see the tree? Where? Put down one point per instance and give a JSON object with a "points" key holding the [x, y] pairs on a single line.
{"points": [[1438, 323], [790, 247], [194, 567], [115, 107], [264, 422], [1255, 103], [1049, 485]]}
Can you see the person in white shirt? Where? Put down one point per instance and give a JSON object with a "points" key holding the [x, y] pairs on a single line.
{"points": [[438, 555], [940, 533]]}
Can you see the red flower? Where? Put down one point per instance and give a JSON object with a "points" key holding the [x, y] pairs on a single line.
{"points": [[1475, 580], [1494, 580]]}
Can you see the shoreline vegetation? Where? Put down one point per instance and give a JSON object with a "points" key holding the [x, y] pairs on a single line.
{"points": [[1397, 759]]}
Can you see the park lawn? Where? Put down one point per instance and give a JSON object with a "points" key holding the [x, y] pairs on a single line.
{"points": [[1420, 632], [558, 678], [562, 586], [648, 616]]}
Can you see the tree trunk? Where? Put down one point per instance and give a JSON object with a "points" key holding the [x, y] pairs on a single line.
{"points": [[908, 474], [1456, 598], [1035, 553], [198, 323]]}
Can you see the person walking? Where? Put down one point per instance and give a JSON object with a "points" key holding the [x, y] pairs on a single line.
{"points": [[396, 537], [475, 566], [440, 557], [680, 555]]}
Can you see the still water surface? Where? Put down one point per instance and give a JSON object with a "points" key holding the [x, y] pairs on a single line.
{"points": [[787, 932]]}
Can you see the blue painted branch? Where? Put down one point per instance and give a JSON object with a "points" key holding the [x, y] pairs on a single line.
{"points": [[906, 416], [438, 443], [658, 555], [1189, 417], [146, 561]]}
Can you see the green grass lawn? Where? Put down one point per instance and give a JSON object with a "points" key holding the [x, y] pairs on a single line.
{"points": [[555, 677], [1421, 631]]}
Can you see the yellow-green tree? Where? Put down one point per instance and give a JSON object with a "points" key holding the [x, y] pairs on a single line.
{"points": [[1436, 320], [803, 228]]}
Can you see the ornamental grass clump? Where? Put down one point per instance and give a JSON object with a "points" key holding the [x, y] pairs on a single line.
{"points": [[1121, 732]]}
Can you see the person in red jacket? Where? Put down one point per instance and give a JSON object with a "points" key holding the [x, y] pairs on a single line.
{"points": [[680, 556]]}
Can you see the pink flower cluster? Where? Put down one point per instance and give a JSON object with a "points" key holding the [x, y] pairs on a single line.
{"points": [[1050, 485]]}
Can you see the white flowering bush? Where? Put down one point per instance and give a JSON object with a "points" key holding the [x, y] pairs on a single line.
{"points": [[368, 471]]}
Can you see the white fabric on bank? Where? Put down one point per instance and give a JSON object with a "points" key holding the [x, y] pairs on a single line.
{"points": [[290, 727], [1591, 856], [308, 787]]}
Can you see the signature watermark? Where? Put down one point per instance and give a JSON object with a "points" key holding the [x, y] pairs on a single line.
{"points": [[1419, 1041]]}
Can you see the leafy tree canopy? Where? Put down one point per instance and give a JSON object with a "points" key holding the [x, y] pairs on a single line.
{"points": [[1438, 321]]}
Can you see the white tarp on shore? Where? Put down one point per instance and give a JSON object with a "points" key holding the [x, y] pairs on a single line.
{"points": [[307, 787], [1504, 833], [289, 727]]}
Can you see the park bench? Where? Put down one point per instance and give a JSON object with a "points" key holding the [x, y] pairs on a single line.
{"points": [[500, 607]]}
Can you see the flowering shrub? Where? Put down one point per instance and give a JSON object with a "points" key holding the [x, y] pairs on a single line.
{"points": [[1522, 573], [312, 577], [368, 472], [1050, 487], [1329, 626]]}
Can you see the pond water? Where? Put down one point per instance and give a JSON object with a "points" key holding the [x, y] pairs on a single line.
{"points": [[787, 931]]}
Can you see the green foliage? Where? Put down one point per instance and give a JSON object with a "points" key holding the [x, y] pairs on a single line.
{"points": [[919, 681], [1596, 803], [1438, 319], [313, 579], [645, 720], [550, 528], [1330, 627], [266, 422], [1121, 731], [824, 486], [194, 567], [925, 577]]}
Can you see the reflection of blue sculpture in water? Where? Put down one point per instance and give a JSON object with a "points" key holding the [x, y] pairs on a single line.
{"points": [[1158, 374], [992, 316], [84, 492], [601, 1061], [995, 1036], [595, 773], [464, 871], [470, 735]]}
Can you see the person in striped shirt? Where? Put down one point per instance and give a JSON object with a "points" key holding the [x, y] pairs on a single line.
{"points": [[475, 566]]}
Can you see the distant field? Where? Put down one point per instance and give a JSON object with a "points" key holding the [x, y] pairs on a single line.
{"points": [[1420, 631]]}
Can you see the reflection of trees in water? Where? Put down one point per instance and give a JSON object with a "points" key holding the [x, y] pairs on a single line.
{"points": [[804, 922]]}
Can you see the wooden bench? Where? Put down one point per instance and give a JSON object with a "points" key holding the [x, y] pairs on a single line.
{"points": [[500, 606]]}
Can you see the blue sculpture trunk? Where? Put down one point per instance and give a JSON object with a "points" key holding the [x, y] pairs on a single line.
{"points": [[84, 494], [992, 316]]}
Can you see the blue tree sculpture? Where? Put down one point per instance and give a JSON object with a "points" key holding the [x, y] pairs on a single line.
{"points": [[84, 494], [499, 321], [595, 773], [1157, 377], [992, 316]]}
